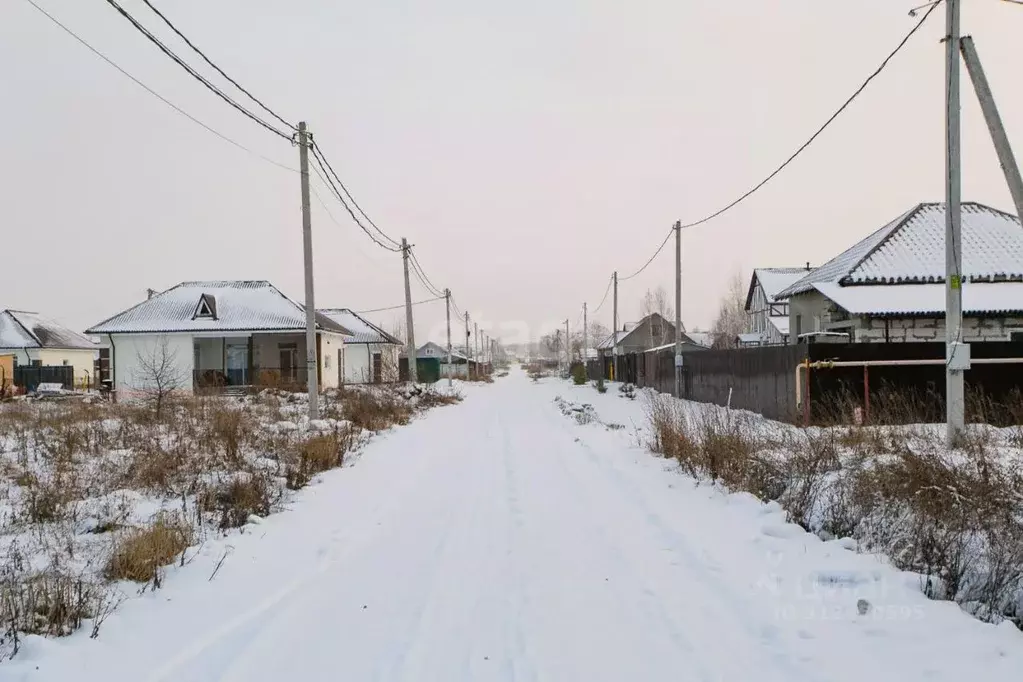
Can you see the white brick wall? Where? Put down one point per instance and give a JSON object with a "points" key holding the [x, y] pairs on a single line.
{"points": [[931, 329]]}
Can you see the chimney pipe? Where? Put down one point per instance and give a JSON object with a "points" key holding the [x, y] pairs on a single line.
{"points": [[150, 293]]}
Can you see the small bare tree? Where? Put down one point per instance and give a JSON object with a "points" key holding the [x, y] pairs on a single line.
{"points": [[159, 374], [731, 319]]}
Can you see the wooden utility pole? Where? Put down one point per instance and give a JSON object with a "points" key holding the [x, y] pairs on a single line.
{"points": [[410, 339], [468, 360], [312, 383]]}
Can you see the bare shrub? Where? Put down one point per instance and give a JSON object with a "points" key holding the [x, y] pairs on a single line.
{"points": [[159, 375], [431, 398], [139, 554], [236, 500], [52, 602]]}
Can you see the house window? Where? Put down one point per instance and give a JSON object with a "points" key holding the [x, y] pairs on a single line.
{"points": [[799, 326], [655, 329], [65, 363], [206, 308], [1015, 334], [37, 363]]}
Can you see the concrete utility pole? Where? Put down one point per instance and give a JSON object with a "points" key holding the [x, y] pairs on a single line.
{"points": [[614, 333], [994, 123], [476, 345], [410, 338], [586, 342], [678, 309], [568, 348], [957, 354], [447, 305], [312, 383]]}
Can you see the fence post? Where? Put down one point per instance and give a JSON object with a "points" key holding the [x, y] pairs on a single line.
{"points": [[806, 395]]}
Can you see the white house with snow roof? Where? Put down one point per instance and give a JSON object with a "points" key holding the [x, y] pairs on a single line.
{"points": [[34, 339], [891, 285], [215, 334], [369, 354], [768, 323]]}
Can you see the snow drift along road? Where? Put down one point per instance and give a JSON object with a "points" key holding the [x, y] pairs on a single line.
{"points": [[500, 540]]}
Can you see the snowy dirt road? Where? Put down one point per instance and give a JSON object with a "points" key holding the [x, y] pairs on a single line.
{"points": [[500, 540]]}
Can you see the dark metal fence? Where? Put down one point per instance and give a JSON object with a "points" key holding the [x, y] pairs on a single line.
{"points": [[28, 377], [810, 384]]}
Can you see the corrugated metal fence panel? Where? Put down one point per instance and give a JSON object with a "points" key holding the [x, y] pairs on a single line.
{"points": [[29, 377]]}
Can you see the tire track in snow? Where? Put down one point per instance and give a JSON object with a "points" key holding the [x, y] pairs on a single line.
{"points": [[614, 478]]}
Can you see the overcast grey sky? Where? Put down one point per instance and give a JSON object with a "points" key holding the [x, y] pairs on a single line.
{"points": [[527, 149]]}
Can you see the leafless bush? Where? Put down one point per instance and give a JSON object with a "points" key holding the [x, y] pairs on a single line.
{"points": [[53, 601], [431, 398], [159, 376], [234, 501]]}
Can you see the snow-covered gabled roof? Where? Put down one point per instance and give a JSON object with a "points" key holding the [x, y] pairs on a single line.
{"points": [[608, 343], [781, 323], [431, 349], [979, 298], [911, 249], [20, 329], [360, 329], [254, 305], [772, 281]]}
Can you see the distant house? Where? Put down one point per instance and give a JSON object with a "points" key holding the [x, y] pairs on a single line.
{"points": [[36, 340], [460, 364], [650, 332], [369, 354], [218, 333], [768, 323], [890, 286]]}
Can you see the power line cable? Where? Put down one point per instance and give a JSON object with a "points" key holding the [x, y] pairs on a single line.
{"points": [[610, 281], [330, 183], [352, 199], [421, 276], [651, 259], [155, 94], [831, 119], [397, 307], [214, 66], [192, 72], [422, 271]]}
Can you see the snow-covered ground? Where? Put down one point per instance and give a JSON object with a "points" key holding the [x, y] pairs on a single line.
{"points": [[502, 539]]}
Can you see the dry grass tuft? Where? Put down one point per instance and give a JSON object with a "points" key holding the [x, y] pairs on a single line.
{"points": [[238, 499], [375, 410], [141, 553]]}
